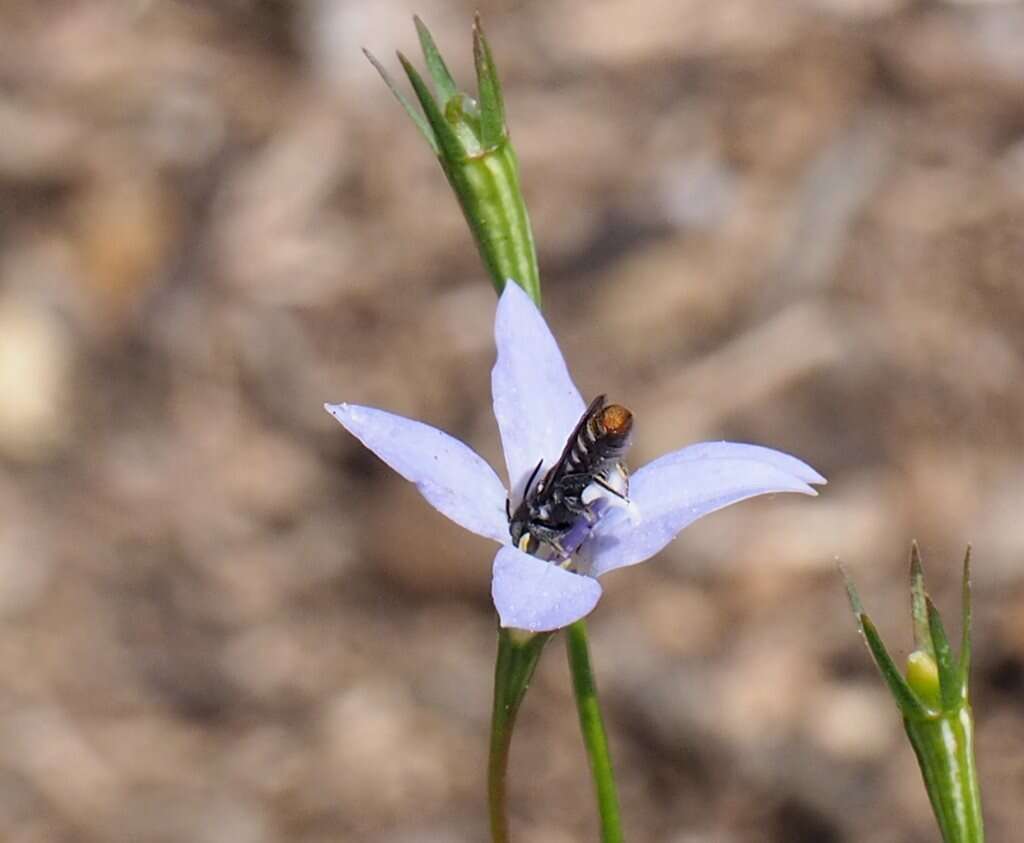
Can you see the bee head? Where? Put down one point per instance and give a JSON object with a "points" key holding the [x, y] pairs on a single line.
{"points": [[518, 530], [517, 525], [617, 421]]}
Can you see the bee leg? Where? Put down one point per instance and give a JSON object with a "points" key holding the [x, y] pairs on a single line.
{"points": [[604, 482], [552, 537], [527, 543], [570, 492]]}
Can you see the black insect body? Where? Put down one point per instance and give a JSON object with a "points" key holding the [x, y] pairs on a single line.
{"points": [[551, 513]]}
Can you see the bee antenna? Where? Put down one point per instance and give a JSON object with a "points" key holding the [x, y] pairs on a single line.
{"points": [[529, 483]]}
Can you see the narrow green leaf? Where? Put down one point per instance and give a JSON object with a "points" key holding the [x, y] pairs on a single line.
{"points": [[965, 632], [492, 106], [949, 686], [918, 604], [443, 81], [448, 144], [417, 118], [904, 695]]}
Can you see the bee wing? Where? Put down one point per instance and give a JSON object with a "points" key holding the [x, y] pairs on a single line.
{"points": [[559, 468]]}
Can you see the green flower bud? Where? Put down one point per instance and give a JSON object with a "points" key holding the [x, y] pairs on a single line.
{"points": [[923, 678], [933, 698], [470, 138]]}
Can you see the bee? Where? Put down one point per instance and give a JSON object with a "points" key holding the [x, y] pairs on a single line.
{"points": [[565, 502]]}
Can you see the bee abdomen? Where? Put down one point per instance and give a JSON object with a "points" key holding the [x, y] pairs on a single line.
{"points": [[616, 424], [616, 421], [604, 438]]}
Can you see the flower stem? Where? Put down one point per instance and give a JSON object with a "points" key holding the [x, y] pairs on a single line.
{"points": [[518, 654], [592, 727]]}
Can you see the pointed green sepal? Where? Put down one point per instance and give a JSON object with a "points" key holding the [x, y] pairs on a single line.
{"points": [[909, 703], [965, 629], [851, 593], [416, 116], [443, 82], [904, 695], [448, 142], [918, 604], [492, 105], [949, 676]]}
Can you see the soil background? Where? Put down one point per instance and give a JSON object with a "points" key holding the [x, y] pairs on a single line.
{"points": [[799, 224]]}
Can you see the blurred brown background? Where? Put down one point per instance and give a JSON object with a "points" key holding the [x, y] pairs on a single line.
{"points": [[793, 223]]}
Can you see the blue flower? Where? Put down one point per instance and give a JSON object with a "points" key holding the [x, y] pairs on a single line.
{"points": [[537, 406]]}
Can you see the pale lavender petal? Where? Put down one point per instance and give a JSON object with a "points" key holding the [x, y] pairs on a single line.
{"points": [[757, 453], [453, 478], [535, 401], [538, 596], [674, 491]]}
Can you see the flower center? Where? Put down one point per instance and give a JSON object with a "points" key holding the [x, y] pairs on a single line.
{"points": [[560, 508]]}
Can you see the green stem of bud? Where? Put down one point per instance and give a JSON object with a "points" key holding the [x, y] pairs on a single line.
{"points": [[944, 746], [487, 187]]}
